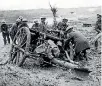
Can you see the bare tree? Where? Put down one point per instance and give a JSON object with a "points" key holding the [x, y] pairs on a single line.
{"points": [[54, 12]]}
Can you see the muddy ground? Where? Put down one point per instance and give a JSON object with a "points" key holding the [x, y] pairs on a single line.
{"points": [[33, 75]]}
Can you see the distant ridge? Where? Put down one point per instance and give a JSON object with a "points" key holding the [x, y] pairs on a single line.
{"points": [[12, 15]]}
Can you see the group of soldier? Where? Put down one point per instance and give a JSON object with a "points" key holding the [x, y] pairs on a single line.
{"points": [[71, 40]]}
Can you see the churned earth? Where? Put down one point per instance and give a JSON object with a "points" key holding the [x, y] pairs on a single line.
{"points": [[33, 75]]}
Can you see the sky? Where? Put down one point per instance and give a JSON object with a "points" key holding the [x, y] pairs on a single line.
{"points": [[36, 4]]}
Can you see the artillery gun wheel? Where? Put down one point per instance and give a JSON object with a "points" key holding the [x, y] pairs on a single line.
{"points": [[20, 46]]}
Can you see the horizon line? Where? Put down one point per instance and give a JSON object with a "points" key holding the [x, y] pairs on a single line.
{"points": [[49, 8]]}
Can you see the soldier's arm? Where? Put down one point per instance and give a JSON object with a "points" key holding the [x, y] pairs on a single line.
{"points": [[67, 41], [97, 27], [1, 28], [71, 61], [55, 31], [33, 26], [7, 27], [12, 29], [68, 57]]}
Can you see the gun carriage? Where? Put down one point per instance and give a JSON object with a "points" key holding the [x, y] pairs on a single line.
{"points": [[23, 47]]}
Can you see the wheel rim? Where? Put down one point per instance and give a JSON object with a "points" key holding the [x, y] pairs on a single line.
{"points": [[21, 40]]}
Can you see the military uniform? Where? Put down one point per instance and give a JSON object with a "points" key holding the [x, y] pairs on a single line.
{"points": [[62, 26], [35, 41], [79, 41], [14, 28], [98, 29], [35, 26], [5, 33], [24, 23], [43, 26], [98, 24]]}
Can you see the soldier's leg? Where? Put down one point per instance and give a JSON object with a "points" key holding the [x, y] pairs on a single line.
{"points": [[4, 38], [77, 57], [85, 54], [8, 38], [96, 44]]}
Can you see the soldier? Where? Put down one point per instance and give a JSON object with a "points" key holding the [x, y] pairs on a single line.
{"points": [[42, 29], [5, 32], [43, 25], [15, 28], [35, 26], [80, 44], [35, 35], [24, 23], [98, 29], [62, 26], [98, 24]]}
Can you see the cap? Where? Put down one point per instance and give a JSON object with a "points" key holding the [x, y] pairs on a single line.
{"points": [[24, 20], [35, 21], [20, 17], [98, 15], [65, 19], [18, 20], [43, 18]]}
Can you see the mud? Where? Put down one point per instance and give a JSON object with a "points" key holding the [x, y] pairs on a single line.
{"points": [[33, 75]]}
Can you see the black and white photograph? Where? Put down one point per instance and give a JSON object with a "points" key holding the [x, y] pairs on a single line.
{"points": [[50, 42]]}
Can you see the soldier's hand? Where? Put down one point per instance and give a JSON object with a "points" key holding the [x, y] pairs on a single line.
{"points": [[77, 63], [71, 61], [44, 36], [61, 32]]}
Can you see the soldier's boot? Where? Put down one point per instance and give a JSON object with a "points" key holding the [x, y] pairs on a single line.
{"points": [[4, 41], [85, 56], [8, 40]]}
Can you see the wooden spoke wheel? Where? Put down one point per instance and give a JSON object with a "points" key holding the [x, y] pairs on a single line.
{"points": [[20, 46]]}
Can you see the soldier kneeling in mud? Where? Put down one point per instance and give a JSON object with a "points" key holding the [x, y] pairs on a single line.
{"points": [[80, 44]]}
